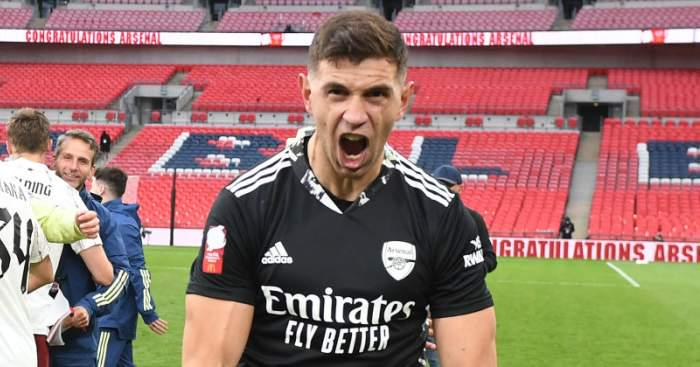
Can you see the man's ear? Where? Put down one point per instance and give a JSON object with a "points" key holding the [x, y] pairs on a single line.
{"points": [[406, 93], [305, 88]]}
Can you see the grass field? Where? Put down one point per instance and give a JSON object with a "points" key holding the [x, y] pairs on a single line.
{"points": [[550, 313]]}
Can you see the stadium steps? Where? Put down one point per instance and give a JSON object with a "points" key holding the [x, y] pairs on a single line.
{"points": [[555, 106], [634, 106], [583, 182], [561, 24], [188, 106], [37, 23], [122, 143], [177, 78], [208, 26], [598, 82]]}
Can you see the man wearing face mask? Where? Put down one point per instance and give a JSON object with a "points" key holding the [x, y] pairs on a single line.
{"points": [[330, 252]]}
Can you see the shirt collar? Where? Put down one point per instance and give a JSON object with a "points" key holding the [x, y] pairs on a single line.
{"points": [[307, 178]]}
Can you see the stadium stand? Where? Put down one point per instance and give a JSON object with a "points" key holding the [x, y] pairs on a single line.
{"points": [[637, 17], [487, 20], [647, 181], [126, 20], [115, 131], [79, 86], [483, 2], [438, 90], [15, 17], [306, 2], [518, 181], [490, 90], [271, 21], [509, 176], [208, 157], [663, 92], [136, 2], [247, 87]]}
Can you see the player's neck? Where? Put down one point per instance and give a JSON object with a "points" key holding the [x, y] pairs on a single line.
{"points": [[34, 157], [342, 187]]}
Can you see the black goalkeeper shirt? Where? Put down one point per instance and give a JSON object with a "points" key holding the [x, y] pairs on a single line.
{"points": [[339, 288]]}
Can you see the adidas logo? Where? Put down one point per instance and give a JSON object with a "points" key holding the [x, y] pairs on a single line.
{"points": [[277, 254]]}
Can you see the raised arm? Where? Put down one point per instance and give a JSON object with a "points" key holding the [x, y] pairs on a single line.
{"points": [[467, 340], [216, 331]]}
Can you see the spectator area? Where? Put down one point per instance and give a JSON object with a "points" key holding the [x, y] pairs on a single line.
{"points": [[486, 20], [271, 21], [484, 2], [438, 90], [15, 17], [662, 92], [306, 2], [648, 179], [195, 150], [247, 87], [274, 88], [490, 90], [637, 17], [114, 131], [519, 181], [80, 86], [126, 20]]}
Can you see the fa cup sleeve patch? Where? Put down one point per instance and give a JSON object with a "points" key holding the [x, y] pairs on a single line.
{"points": [[213, 259]]}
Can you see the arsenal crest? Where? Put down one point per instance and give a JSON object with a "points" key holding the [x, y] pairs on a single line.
{"points": [[399, 258]]}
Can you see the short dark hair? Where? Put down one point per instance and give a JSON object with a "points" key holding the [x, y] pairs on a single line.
{"points": [[28, 131], [357, 36], [80, 135], [114, 178]]}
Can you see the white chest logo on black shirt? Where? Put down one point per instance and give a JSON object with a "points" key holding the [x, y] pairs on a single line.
{"points": [[277, 254], [399, 258]]}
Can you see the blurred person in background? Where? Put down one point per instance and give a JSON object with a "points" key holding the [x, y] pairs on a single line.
{"points": [[118, 328]]}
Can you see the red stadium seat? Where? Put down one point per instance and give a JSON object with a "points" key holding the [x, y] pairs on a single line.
{"points": [[559, 122], [155, 116]]}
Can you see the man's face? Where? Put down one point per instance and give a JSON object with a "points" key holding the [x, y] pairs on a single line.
{"points": [[74, 162], [355, 107]]}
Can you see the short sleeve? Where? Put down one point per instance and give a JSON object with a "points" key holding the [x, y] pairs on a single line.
{"points": [[458, 285], [40, 246], [84, 244], [490, 260], [225, 266]]}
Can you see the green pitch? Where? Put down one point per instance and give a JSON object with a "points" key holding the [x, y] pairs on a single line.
{"points": [[550, 313]]}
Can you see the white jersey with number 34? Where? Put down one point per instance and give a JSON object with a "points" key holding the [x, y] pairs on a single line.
{"points": [[21, 243]]}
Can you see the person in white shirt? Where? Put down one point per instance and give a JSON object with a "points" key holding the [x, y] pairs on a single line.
{"points": [[28, 143], [24, 261]]}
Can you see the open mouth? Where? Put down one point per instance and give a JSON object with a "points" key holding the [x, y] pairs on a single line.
{"points": [[353, 144]]}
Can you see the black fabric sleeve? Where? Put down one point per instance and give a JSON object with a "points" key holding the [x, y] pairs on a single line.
{"points": [[228, 237], [458, 285], [489, 255]]}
